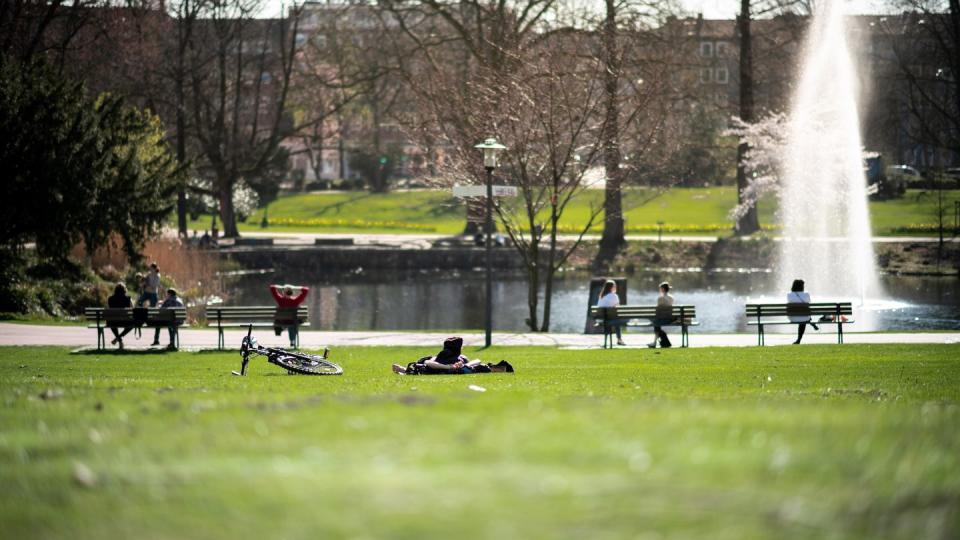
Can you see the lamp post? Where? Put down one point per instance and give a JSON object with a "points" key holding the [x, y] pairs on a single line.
{"points": [[490, 148]]}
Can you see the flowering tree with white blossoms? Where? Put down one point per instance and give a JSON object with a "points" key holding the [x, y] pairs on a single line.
{"points": [[763, 162]]}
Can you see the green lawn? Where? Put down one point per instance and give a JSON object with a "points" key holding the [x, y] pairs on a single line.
{"points": [[683, 211], [803, 442]]}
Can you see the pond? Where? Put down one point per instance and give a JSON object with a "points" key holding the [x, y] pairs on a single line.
{"points": [[455, 300]]}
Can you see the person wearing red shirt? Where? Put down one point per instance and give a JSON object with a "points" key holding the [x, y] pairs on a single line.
{"points": [[283, 295]]}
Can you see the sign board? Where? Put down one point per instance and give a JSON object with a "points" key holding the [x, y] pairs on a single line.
{"points": [[481, 191]]}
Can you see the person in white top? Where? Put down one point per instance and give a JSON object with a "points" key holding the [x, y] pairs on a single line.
{"points": [[608, 298], [665, 300], [798, 296]]}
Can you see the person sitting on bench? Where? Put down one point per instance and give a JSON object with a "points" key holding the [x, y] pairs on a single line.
{"points": [[608, 299], [286, 299], [797, 296], [119, 300], [664, 301], [172, 301]]}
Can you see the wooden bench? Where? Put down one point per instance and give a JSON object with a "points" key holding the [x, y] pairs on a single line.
{"points": [[103, 318], [761, 315], [258, 316], [608, 318]]}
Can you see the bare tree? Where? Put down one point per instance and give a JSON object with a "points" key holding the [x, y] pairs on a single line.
{"points": [[555, 116], [925, 46], [238, 84]]}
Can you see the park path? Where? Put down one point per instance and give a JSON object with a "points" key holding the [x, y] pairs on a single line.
{"points": [[12, 334], [426, 240]]}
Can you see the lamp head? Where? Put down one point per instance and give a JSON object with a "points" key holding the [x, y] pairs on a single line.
{"points": [[491, 148]]}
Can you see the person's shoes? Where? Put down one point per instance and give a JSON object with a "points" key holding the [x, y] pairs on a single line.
{"points": [[620, 342], [155, 343], [815, 327], [120, 344], [114, 342], [652, 345], [666, 345], [171, 347], [400, 370], [797, 342]]}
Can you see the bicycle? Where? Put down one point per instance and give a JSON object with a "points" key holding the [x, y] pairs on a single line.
{"points": [[294, 362]]}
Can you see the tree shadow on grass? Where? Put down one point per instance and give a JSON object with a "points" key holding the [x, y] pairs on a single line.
{"points": [[88, 351]]}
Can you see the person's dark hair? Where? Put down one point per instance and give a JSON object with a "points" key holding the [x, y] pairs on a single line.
{"points": [[120, 290], [797, 286], [665, 287], [171, 292], [608, 287], [154, 266]]}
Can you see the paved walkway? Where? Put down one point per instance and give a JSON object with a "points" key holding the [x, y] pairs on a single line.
{"points": [[426, 240], [78, 336]]}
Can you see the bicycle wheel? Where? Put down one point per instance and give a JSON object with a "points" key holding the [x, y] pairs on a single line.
{"points": [[307, 364]]}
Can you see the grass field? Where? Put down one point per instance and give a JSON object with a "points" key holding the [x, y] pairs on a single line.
{"points": [[683, 211], [803, 442]]}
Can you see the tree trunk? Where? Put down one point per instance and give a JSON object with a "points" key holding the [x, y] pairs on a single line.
{"points": [[613, 238], [551, 262], [227, 216], [533, 284], [181, 118], [379, 181], [748, 222]]}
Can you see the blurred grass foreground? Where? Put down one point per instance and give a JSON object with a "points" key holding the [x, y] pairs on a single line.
{"points": [[852, 441]]}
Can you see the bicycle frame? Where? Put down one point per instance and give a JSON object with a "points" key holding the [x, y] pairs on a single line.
{"points": [[250, 346]]}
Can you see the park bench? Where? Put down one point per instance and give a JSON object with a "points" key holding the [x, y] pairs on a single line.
{"points": [[102, 318], [639, 316], [258, 316], [762, 315]]}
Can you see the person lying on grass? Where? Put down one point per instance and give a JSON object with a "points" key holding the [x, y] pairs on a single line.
{"points": [[449, 361]]}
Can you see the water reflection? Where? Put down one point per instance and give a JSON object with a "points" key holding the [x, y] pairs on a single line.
{"points": [[455, 300]]}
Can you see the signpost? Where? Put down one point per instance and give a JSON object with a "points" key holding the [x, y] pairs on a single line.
{"points": [[475, 193], [481, 191]]}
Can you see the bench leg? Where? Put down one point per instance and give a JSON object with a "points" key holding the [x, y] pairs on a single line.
{"points": [[760, 340], [101, 339], [219, 338], [684, 337], [839, 332]]}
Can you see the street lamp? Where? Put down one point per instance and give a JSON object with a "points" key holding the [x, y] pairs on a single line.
{"points": [[490, 149]]}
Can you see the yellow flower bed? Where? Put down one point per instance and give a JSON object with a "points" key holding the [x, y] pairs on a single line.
{"points": [[685, 228], [921, 228], [349, 223]]}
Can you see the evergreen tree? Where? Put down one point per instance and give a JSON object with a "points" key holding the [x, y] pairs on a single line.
{"points": [[75, 168]]}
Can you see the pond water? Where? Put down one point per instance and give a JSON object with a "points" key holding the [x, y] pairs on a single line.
{"points": [[455, 300]]}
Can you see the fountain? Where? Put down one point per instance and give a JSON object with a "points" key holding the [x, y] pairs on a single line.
{"points": [[823, 200]]}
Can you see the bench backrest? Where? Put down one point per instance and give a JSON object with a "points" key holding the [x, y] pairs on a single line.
{"points": [[799, 310], [643, 312], [235, 314], [125, 315]]}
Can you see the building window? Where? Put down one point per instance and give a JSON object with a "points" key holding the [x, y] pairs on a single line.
{"points": [[706, 49], [721, 99], [722, 76], [721, 49], [706, 74]]}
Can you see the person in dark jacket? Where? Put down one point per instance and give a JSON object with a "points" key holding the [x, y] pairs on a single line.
{"points": [[172, 301], [449, 361], [119, 300]]}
